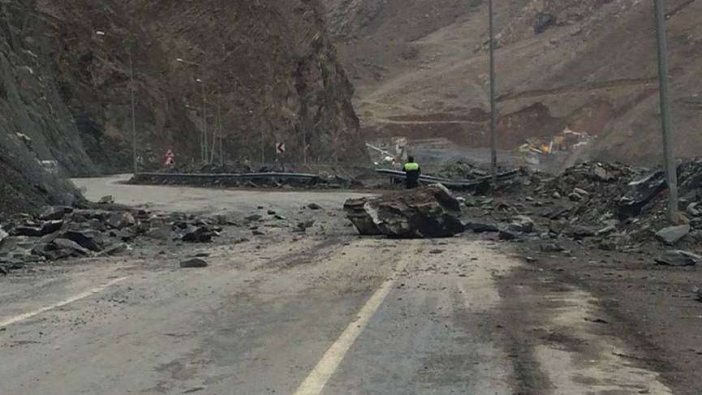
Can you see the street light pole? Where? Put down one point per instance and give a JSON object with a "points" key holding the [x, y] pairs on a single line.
{"points": [[216, 131], [221, 135], [132, 99], [204, 123], [493, 100], [666, 123]]}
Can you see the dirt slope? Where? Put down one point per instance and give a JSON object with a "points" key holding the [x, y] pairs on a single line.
{"points": [[590, 67]]}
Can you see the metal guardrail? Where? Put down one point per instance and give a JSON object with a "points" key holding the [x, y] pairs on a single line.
{"points": [[234, 176], [451, 183], [459, 184]]}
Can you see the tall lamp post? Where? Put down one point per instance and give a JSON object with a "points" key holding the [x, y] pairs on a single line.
{"points": [[493, 100], [666, 123], [203, 136], [133, 100], [204, 121]]}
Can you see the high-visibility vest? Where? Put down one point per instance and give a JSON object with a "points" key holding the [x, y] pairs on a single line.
{"points": [[411, 166]]}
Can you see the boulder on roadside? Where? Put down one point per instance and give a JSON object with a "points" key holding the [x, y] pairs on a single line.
{"points": [[193, 263], [697, 294], [52, 213], [108, 199], [640, 193], [672, 234], [254, 218], [51, 227], [425, 212], [678, 258], [121, 220], [357, 211], [522, 223], [127, 234], [198, 234], [65, 244], [158, 232], [601, 174], [114, 249], [3, 235], [87, 238], [43, 229], [552, 247], [481, 226], [508, 235], [579, 232], [50, 251], [304, 225]]}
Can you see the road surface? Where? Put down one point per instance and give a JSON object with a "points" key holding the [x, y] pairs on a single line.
{"points": [[327, 313]]}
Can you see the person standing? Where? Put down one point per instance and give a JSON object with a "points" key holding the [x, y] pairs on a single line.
{"points": [[169, 159], [412, 172]]}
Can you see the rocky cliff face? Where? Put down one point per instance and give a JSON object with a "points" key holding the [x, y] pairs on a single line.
{"points": [[236, 77], [35, 124], [243, 75], [262, 72]]}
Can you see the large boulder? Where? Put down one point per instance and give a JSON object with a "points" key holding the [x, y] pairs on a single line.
{"points": [[678, 258], [426, 212], [640, 193], [672, 234]]}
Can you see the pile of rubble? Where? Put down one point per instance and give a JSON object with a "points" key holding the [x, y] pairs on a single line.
{"points": [[61, 232], [462, 170], [215, 168], [607, 206]]}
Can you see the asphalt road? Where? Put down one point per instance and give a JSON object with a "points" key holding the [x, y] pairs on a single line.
{"points": [[329, 313]]}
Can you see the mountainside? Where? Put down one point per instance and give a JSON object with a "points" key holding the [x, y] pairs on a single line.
{"points": [[34, 123], [260, 73], [420, 69], [265, 70]]}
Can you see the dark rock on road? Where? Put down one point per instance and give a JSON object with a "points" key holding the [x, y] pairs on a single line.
{"points": [[672, 234], [52, 213], [193, 263], [198, 234], [481, 227], [422, 213], [678, 258]]}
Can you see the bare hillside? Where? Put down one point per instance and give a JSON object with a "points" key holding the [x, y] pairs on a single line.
{"points": [[421, 70]]}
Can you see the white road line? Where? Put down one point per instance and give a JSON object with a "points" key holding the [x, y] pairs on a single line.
{"points": [[320, 375], [82, 295]]}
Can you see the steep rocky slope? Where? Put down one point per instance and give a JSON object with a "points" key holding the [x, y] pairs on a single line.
{"points": [[421, 70], [35, 125], [258, 72], [266, 70]]}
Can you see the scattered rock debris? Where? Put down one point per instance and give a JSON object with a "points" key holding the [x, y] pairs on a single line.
{"points": [[62, 232], [605, 206]]}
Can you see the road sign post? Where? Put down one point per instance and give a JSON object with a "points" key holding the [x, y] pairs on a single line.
{"points": [[280, 152]]}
